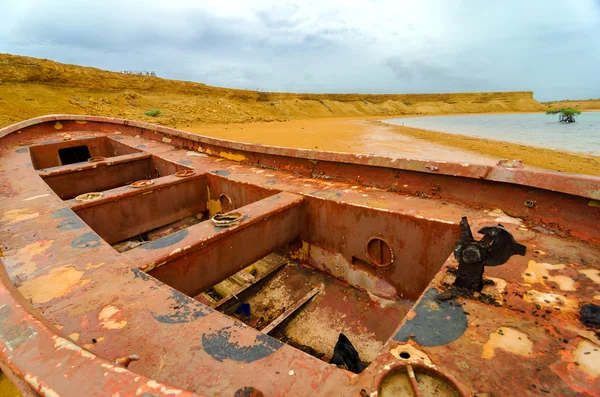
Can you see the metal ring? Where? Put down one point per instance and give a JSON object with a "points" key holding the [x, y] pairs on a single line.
{"points": [[142, 183], [96, 159], [228, 219], [184, 173], [529, 203], [89, 196]]}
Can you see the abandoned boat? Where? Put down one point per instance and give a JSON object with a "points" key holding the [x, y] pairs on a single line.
{"points": [[140, 260]]}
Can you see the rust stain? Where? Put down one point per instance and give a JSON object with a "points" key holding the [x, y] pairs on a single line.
{"points": [[52, 285], [510, 340]]}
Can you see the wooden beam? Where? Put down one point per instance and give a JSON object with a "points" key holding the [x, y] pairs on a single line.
{"points": [[270, 327]]}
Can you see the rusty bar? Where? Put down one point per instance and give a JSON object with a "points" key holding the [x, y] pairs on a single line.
{"points": [[297, 305], [76, 167], [134, 211], [208, 254], [72, 180]]}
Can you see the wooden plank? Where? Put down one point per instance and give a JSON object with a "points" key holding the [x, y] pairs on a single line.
{"points": [[227, 298], [292, 309]]}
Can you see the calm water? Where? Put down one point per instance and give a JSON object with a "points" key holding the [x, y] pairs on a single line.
{"points": [[535, 129]]}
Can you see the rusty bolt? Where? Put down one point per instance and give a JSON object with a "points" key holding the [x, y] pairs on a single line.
{"points": [[529, 203], [125, 361], [248, 392]]}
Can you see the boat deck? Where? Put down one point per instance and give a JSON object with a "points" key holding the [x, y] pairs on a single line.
{"points": [[304, 228]]}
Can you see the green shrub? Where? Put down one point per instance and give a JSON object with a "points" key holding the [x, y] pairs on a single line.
{"points": [[566, 115], [152, 113]]}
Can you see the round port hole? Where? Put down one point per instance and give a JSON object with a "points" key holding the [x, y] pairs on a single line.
{"points": [[379, 252]]}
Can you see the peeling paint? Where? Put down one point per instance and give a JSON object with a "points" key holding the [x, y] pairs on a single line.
{"points": [[592, 274], [538, 272], [587, 355], [54, 284], [232, 156], [105, 317], [548, 299], [13, 216], [36, 197], [510, 340]]}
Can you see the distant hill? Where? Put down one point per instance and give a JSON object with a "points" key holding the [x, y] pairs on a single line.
{"points": [[32, 87]]}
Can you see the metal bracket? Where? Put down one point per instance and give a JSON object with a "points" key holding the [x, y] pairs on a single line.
{"points": [[494, 249]]}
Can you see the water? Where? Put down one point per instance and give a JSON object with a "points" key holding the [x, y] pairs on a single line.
{"points": [[535, 129]]}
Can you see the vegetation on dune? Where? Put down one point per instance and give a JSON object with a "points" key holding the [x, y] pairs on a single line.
{"points": [[152, 113], [566, 115]]}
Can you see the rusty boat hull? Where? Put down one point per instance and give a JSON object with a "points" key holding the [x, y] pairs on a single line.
{"points": [[142, 260]]}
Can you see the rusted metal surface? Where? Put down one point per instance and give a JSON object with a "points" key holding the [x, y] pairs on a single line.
{"points": [[85, 306]]}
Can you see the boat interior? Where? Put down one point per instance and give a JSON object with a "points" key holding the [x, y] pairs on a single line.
{"points": [[275, 262], [297, 250]]}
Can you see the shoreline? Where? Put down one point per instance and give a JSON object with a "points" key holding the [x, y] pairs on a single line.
{"points": [[532, 156], [372, 135]]}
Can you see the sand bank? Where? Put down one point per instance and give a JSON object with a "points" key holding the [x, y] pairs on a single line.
{"points": [[368, 135]]}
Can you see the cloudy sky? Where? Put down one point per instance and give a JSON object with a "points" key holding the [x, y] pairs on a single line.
{"points": [[551, 47]]}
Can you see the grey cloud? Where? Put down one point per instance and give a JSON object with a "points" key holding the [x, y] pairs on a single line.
{"points": [[318, 48]]}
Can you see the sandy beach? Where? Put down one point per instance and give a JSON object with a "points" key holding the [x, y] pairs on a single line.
{"points": [[372, 135]]}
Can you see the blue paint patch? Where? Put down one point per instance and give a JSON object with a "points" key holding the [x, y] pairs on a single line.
{"points": [[220, 346], [118, 138], [51, 141], [137, 273], [436, 323], [221, 172], [270, 182], [88, 240], [140, 146], [71, 223], [22, 150], [63, 213], [185, 310], [28, 165], [13, 335], [185, 162], [167, 240]]}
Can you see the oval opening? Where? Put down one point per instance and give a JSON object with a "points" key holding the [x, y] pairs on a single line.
{"points": [[379, 252]]}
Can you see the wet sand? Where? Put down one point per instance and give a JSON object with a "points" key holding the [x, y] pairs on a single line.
{"points": [[371, 136], [340, 135]]}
